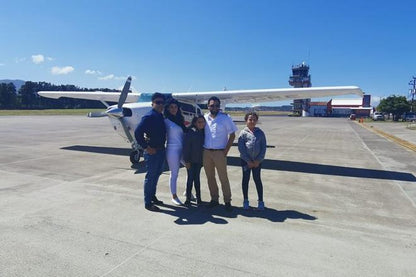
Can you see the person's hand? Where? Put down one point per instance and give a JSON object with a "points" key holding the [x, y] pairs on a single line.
{"points": [[225, 152], [250, 164], [150, 150], [188, 165], [256, 164]]}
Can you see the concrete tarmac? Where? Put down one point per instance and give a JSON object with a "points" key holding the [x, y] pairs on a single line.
{"points": [[340, 202]]}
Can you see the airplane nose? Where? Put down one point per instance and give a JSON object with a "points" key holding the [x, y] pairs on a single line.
{"points": [[115, 112]]}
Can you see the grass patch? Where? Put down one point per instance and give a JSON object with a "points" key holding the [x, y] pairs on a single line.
{"points": [[47, 112]]}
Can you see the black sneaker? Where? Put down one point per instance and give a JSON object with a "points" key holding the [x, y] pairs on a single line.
{"points": [[188, 203], [156, 201], [212, 204], [152, 208], [199, 201], [228, 207]]}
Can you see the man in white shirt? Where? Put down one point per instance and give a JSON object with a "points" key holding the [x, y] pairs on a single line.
{"points": [[219, 136]]}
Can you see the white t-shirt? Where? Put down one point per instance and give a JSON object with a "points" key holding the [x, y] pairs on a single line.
{"points": [[174, 134], [217, 130]]}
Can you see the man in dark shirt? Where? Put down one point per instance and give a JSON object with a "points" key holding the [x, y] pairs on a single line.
{"points": [[151, 136]]}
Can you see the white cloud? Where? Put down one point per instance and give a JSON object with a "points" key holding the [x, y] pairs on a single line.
{"points": [[2, 64], [37, 59], [121, 78], [108, 77], [61, 70], [92, 72], [113, 77], [49, 58], [19, 60]]}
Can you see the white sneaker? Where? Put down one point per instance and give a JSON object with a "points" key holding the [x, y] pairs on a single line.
{"points": [[176, 201]]}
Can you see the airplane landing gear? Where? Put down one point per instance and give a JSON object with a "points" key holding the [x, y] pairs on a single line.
{"points": [[135, 156]]}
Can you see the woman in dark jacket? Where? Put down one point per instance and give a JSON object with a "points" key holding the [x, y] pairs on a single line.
{"points": [[192, 155]]}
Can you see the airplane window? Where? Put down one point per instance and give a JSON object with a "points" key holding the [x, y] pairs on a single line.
{"points": [[187, 107], [127, 112]]}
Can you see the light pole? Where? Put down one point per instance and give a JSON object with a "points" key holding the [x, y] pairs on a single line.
{"points": [[412, 91]]}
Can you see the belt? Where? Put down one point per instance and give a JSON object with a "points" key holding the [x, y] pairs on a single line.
{"points": [[214, 149]]}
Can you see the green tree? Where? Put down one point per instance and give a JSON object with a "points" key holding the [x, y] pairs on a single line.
{"points": [[7, 96], [394, 104], [28, 96]]}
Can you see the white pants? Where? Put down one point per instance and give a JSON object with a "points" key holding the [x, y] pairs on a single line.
{"points": [[174, 159]]}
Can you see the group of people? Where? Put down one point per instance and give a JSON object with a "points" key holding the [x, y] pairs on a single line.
{"points": [[205, 143]]}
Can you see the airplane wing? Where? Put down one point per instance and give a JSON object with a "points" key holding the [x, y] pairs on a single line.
{"points": [[266, 95], [227, 96], [90, 95]]}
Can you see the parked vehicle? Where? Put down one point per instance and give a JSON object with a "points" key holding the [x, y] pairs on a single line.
{"points": [[377, 116], [409, 116]]}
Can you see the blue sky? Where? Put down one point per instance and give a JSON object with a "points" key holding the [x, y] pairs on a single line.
{"points": [[186, 45]]}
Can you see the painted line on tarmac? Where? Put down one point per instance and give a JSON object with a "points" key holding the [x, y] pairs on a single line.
{"points": [[382, 165], [390, 137]]}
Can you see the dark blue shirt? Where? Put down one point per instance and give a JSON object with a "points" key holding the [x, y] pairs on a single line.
{"points": [[151, 131]]}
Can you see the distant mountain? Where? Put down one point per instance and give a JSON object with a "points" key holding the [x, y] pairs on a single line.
{"points": [[17, 83]]}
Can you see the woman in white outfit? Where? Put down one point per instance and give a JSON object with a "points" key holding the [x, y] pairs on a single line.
{"points": [[175, 127]]}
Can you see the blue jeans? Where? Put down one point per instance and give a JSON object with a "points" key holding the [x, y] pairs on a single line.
{"points": [[154, 166]]}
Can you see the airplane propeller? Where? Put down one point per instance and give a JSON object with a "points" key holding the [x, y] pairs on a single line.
{"points": [[117, 113], [124, 93]]}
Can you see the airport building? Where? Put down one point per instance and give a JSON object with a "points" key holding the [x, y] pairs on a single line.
{"points": [[301, 78], [318, 108], [342, 107]]}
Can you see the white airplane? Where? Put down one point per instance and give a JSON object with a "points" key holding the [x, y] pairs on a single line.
{"points": [[126, 115]]}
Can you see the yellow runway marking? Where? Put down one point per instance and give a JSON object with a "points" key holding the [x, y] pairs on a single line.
{"points": [[390, 137]]}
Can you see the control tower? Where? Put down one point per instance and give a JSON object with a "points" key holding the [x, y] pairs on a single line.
{"points": [[300, 79]]}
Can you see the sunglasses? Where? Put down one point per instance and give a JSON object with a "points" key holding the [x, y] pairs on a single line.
{"points": [[214, 106], [159, 102]]}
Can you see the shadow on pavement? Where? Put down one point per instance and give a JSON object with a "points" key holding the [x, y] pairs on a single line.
{"points": [[194, 215], [100, 150], [324, 169], [291, 166]]}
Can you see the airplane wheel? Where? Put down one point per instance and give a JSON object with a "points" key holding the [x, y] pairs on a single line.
{"points": [[135, 157]]}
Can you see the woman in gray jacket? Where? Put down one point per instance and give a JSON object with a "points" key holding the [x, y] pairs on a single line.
{"points": [[252, 147]]}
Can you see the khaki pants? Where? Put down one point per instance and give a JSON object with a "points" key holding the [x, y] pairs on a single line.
{"points": [[216, 159]]}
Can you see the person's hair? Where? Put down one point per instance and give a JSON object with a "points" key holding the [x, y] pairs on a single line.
{"points": [[158, 95], [252, 114], [215, 98], [178, 118], [195, 119]]}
